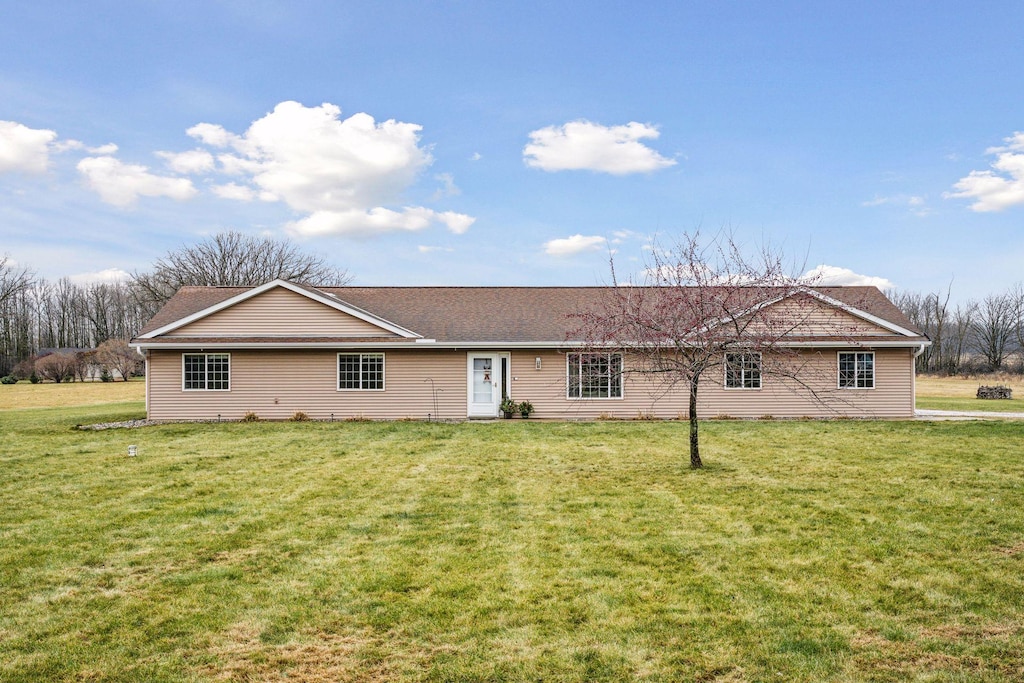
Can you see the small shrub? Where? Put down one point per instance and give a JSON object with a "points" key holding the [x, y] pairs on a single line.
{"points": [[105, 376], [644, 417], [607, 417], [508, 406], [299, 416], [250, 417], [767, 416], [34, 378], [9, 379], [724, 416], [526, 409]]}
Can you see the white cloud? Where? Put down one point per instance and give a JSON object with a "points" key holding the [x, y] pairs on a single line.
{"points": [[234, 191], [476, 156], [378, 220], [877, 201], [212, 135], [576, 244], [455, 222], [448, 187], [825, 275], [1014, 143], [122, 184], [343, 173], [999, 189], [193, 161], [101, 276], [582, 145], [424, 249], [103, 150], [68, 145], [24, 149], [916, 204]]}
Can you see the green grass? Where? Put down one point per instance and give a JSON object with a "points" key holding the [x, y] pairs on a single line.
{"points": [[1015, 405], [805, 551]]}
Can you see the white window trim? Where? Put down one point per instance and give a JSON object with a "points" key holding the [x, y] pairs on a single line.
{"points": [[839, 371], [206, 373], [725, 372], [383, 369], [622, 374]]}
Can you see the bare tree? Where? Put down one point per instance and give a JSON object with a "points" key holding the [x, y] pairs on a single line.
{"points": [[117, 355], [918, 310], [993, 328], [959, 336], [14, 338], [705, 305], [57, 366], [13, 279], [233, 259]]}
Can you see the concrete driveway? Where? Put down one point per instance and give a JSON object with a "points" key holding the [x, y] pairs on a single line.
{"points": [[922, 414]]}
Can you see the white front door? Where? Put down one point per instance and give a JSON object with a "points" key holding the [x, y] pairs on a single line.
{"points": [[485, 382]]}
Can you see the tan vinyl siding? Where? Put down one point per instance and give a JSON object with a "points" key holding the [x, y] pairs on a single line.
{"points": [[891, 397], [275, 384], [809, 316], [280, 313]]}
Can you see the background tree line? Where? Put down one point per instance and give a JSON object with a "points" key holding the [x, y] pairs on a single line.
{"points": [[37, 315], [985, 335]]}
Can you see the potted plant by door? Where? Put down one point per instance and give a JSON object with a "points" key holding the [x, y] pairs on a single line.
{"points": [[508, 406], [525, 409]]}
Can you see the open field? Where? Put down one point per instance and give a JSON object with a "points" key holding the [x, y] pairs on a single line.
{"points": [[811, 551], [958, 393], [46, 395]]}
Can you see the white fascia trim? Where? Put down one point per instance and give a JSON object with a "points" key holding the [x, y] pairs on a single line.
{"points": [[227, 343], [845, 343], [325, 299], [419, 343]]}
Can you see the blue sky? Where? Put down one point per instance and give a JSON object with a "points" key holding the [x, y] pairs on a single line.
{"points": [[517, 143]]}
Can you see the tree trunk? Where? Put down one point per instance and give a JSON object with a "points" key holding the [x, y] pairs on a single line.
{"points": [[695, 461]]}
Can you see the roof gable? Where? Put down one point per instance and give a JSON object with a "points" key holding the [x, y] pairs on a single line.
{"points": [[512, 316], [807, 312], [278, 308]]}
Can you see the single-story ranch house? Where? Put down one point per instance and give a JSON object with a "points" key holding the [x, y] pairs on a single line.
{"points": [[455, 352]]}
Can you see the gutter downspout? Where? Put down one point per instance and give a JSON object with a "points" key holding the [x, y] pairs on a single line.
{"points": [[913, 375]]}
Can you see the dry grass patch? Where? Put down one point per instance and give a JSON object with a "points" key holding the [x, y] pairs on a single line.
{"points": [[940, 652], [1015, 549], [959, 393], [966, 386], [46, 395], [243, 655]]}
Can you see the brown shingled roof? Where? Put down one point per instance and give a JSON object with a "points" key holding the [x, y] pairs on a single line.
{"points": [[482, 314]]}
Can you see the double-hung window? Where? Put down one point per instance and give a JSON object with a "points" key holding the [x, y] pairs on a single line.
{"points": [[594, 375], [743, 371], [361, 371], [856, 370], [206, 371]]}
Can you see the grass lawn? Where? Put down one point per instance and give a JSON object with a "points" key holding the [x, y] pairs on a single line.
{"points": [[958, 393], [24, 394], [805, 551]]}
